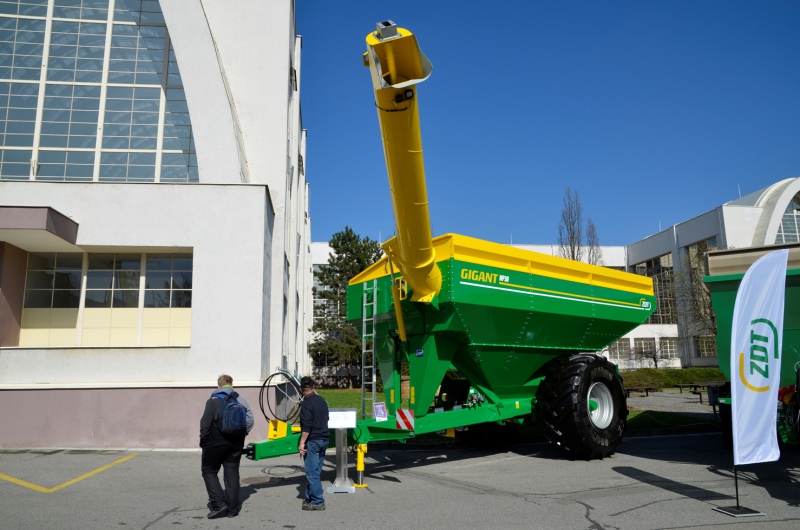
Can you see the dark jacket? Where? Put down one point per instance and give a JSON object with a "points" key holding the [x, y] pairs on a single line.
{"points": [[314, 417], [209, 432]]}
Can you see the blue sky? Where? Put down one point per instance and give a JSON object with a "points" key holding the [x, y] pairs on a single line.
{"points": [[656, 112]]}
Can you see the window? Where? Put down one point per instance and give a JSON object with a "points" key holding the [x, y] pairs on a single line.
{"points": [[669, 347], [620, 350], [127, 301], [17, 122], [113, 280], [645, 347], [168, 280], [144, 102], [22, 46], [706, 346], [53, 280]]}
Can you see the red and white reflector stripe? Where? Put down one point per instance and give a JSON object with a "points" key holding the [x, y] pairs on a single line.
{"points": [[405, 419]]}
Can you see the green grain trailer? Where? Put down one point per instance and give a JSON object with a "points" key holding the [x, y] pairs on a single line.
{"points": [[508, 331], [489, 333]]}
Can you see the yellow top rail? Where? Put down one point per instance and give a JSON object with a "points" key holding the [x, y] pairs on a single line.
{"points": [[478, 251], [397, 65]]}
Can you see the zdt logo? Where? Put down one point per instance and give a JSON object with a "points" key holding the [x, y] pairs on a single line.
{"points": [[760, 346]]}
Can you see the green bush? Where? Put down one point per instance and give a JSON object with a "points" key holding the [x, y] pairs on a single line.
{"points": [[669, 377]]}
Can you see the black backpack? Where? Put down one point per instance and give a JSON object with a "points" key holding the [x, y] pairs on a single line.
{"points": [[231, 415]]}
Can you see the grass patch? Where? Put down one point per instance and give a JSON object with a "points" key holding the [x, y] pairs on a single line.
{"points": [[341, 398], [669, 377]]}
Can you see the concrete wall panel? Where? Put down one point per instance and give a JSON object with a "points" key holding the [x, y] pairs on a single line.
{"points": [[101, 418]]}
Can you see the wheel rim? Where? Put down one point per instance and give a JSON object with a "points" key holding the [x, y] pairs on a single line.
{"points": [[600, 405]]}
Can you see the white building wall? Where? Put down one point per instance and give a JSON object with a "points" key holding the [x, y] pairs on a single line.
{"points": [[305, 364], [256, 43], [702, 227], [652, 246], [613, 256], [740, 224], [206, 93], [255, 40], [223, 227], [239, 222], [650, 331]]}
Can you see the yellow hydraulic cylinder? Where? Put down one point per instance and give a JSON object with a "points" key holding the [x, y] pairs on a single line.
{"points": [[397, 65], [361, 450], [396, 297]]}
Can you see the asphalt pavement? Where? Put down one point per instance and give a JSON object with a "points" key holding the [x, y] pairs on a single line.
{"points": [[672, 400], [650, 483]]}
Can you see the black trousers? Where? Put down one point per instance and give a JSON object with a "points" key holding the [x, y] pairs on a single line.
{"points": [[227, 457]]}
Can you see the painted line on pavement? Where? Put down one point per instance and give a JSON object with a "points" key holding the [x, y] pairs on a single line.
{"points": [[41, 489]]}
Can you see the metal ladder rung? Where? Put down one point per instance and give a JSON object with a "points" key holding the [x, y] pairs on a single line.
{"points": [[368, 381]]}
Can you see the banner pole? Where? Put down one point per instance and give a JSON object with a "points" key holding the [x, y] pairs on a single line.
{"points": [[756, 328]]}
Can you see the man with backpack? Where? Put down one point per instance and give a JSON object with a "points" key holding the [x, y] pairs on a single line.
{"points": [[226, 421]]}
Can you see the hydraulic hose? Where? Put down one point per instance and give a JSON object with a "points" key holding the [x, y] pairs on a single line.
{"points": [[289, 387]]}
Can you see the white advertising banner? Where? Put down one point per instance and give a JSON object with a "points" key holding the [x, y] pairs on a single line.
{"points": [[756, 337]]}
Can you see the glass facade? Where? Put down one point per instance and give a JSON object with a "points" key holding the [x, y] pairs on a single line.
{"points": [[99, 299], [661, 270], [699, 317], [54, 280], [789, 229], [90, 91]]}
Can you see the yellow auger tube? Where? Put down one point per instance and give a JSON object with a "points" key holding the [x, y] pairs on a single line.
{"points": [[397, 65]]}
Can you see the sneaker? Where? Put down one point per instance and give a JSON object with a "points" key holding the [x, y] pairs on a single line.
{"points": [[216, 514], [313, 507]]}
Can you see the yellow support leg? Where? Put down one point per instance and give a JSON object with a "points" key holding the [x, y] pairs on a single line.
{"points": [[361, 450]]}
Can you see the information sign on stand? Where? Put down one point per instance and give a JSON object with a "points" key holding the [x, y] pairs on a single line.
{"points": [[340, 420]]}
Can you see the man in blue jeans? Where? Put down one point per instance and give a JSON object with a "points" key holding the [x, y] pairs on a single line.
{"points": [[313, 441]]}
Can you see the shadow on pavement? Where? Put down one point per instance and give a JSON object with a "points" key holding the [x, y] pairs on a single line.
{"points": [[686, 490]]}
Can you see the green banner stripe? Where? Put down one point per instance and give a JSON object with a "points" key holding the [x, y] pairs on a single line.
{"points": [[559, 295]]}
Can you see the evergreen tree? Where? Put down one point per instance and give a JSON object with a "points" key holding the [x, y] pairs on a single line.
{"points": [[336, 341]]}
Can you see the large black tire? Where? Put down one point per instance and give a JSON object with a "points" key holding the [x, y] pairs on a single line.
{"points": [[581, 430]]}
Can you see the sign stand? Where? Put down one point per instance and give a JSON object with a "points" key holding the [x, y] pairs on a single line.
{"points": [[341, 420], [737, 511]]}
